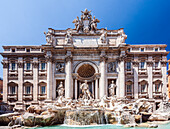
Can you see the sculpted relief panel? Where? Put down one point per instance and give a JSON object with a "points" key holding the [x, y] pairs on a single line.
{"points": [[111, 67], [60, 67]]}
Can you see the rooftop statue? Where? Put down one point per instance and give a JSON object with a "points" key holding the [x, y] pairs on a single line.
{"points": [[68, 38], [86, 23]]}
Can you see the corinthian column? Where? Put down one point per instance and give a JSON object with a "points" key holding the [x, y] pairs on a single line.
{"points": [[68, 79], [20, 79], [136, 87], [164, 75], [35, 78], [102, 85], [5, 81], [49, 76], [121, 77], [150, 78]]}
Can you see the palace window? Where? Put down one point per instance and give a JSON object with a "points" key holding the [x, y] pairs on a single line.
{"points": [[143, 88], [128, 49], [42, 66], [43, 91], [128, 65], [156, 64], [142, 65], [13, 66], [142, 49], [156, 49], [157, 87], [13, 90], [13, 50], [28, 50], [28, 66], [28, 89], [129, 88]]}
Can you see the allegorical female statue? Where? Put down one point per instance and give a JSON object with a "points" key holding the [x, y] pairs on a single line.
{"points": [[60, 89], [112, 89]]}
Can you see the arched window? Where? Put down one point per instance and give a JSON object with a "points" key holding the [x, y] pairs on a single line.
{"points": [[12, 88], [158, 86], [28, 88], [143, 86], [42, 88], [129, 88]]}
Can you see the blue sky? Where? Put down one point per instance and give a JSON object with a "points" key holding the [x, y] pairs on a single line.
{"points": [[22, 22]]}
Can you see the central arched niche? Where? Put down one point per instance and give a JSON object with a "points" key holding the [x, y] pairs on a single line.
{"points": [[86, 71]]}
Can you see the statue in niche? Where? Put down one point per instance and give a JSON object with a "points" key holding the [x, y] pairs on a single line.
{"points": [[112, 88], [103, 36], [60, 89], [68, 37], [60, 68], [93, 24], [111, 67], [85, 91]]}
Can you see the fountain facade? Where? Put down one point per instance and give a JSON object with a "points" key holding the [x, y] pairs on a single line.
{"points": [[84, 76]]}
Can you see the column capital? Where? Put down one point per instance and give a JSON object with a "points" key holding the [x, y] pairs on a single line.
{"points": [[149, 63], [103, 58], [35, 64], [68, 58], [48, 56], [121, 58], [5, 64], [97, 75], [75, 76], [135, 63], [20, 64], [163, 63]]}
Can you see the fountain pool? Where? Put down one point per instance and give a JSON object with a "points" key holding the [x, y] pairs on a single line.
{"points": [[164, 126]]}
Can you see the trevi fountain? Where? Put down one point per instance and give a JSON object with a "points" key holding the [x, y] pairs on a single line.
{"points": [[87, 110]]}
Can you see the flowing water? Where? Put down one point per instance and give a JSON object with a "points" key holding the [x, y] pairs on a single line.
{"points": [[165, 126]]}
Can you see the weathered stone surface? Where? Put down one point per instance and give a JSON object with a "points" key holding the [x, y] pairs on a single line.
{"points": [[127, 118], [5, 119], [29, 119], [145, 116], [138, 118], [159, 117]]}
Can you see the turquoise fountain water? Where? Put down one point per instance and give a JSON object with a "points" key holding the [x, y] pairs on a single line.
{"points": [[165, 126]]}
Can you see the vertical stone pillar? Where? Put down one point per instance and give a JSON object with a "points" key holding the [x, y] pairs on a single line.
{"points": [[92, 86], [136, 86], [20, 79], [96, 89], [164, 75], [49, 76], [35, 79], [117, 84], [102, 85], [68, 79], [5, 81], [169, 78], [75, 88], [121, 78], [150, 78], [54, 82]]}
